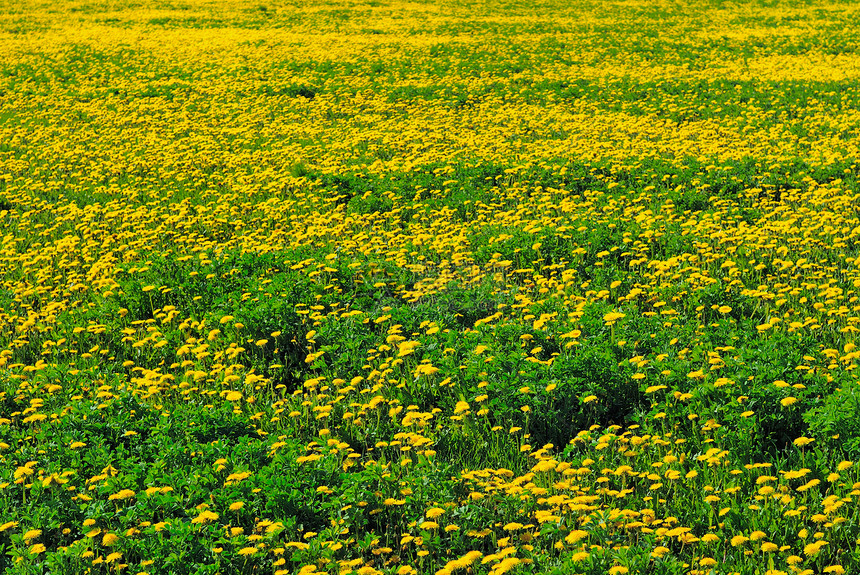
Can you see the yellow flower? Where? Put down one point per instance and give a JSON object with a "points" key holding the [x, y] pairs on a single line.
{"points": [[205, 517], [434, 512], [788, 401], [803, 441], [237, 506], [32, 534], [37, 548], [612, 317], [8, 525], [123, 494], [813, 548], [247, 551], [25, 471], [109, 539], [575, 536], [506, 565], [407, 348]]}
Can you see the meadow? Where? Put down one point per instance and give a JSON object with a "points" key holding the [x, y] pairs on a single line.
{"points": [[407, 287]]}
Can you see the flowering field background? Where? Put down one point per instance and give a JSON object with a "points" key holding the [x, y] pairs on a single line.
{"points": [[429, 287]]}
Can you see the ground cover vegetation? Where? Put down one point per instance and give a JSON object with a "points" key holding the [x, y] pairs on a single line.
{"points": [[429, 287]]}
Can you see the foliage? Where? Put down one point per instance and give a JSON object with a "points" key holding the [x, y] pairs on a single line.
{"points": [[399, 288]]}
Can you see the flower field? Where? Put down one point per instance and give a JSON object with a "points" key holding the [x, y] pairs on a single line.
{"points": [[385, 287]]}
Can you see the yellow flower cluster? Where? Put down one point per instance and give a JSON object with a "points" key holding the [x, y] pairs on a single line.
{"points": [[299, 287]]}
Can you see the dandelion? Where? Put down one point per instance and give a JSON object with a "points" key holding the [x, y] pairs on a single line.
{"points": [[205, 517], [122, 495], [407, 348], [109, 539], [814, 548], [25, 471], [505, 565], [8, 525], [575, 536], [612, 317], [32, 534]]}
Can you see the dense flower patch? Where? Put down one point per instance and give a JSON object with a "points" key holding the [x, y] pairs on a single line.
{"points": [[395, 287]]}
